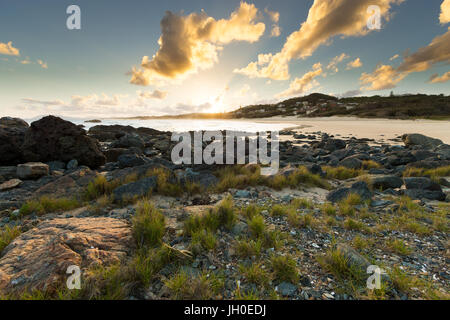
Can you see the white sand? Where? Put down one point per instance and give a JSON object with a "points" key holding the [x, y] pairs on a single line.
{"points": [[366, 128]]}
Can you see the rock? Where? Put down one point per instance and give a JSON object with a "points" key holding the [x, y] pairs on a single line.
{"points": [[32, 170], [384, 182], [287, 289], [351, 163], [10, 184], [422, 183], [72, 164], [139, 188], [39, 258], [239, 229], [416, 139], [204, 178], [56, 165], [11, 140], [53, 138], [113, 154], [353, 258], [423, 154], [128, 141], [8, 172], [243, 194], [425, 194], [13, 122], [67, 186], [359, 188], [443, 151], [131, 160]]}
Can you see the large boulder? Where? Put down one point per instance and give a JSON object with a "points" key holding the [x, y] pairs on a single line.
{"points": [[11, 140], [360, 188], [128, 141], [32, 170], [422, 183], [39, 258], [53, 138], [385, 182], [131, 160], [415, 139], [137, 189], [13, 122]]}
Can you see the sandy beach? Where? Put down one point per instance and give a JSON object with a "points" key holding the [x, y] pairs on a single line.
{"points": [[366, 128]]}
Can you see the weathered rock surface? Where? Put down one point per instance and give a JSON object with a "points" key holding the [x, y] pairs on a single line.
{"points": [[67, 186], [10, 184], [32, 170], [11, 139], [386, 182], [53, 138], [13, 122], [415, 139], [139, 188], [39, 258], [359, 188]]}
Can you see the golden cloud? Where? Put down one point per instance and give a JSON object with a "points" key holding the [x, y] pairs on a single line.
{"points": [[191, 43], [335, 61], [354, 64], [387, 77], [156, 94], [326, 19], [436, 79], [445, 12], [8, 49], [305, 83]]}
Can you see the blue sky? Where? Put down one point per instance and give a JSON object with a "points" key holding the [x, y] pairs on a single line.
{"points": [[87, 72]]}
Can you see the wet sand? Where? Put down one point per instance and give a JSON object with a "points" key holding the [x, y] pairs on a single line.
{"points": [[378, 129]]}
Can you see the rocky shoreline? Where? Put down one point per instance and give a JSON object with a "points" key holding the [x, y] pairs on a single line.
{"points": [[110, 201]]}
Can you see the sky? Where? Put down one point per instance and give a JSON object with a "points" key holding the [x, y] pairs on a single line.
{"points": [[142, 58]]}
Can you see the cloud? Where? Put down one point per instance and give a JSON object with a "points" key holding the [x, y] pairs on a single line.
{"points": [[387, 77], [383, 77], [43, 102], [350, 93], [156, 94], [191, 43], [114, 100], [42, 64], [26, 61], [8, 49], [436, 79], [275, 17], [354, 64], [326, 20], [276, 31], [445, 12], [394, 57], [335, 61], [307, 82], [244, 90]]}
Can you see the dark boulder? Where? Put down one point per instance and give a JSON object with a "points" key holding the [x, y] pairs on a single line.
{"points": [[13, 122], [11, 140], [422, 183], [137, 189], [131, 160], [425, 194], [128, 141], [351, 163], [386, 182], [53, 138], [360, 188]]}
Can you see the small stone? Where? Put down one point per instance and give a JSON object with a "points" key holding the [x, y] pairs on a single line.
{"points": [[72, 164], [32, 170]]}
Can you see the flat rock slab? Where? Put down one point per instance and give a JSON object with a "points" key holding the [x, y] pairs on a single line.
{"points": [[10, 184], [40, 257]]}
